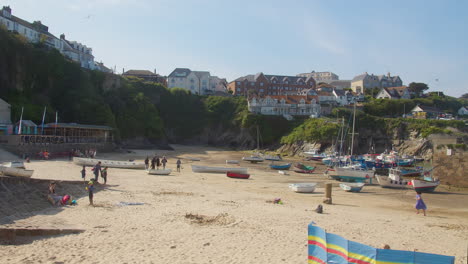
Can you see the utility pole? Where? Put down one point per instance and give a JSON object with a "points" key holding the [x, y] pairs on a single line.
{"points": [[352, 134]]}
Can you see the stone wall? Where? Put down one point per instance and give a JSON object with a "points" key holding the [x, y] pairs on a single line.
{"points": [[451, 169]]}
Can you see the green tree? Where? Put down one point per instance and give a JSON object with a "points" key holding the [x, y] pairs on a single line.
{"points": [[418, 88]]}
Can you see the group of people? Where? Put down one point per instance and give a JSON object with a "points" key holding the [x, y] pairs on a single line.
{"points": [[157, 162], [56, 199], [97, 169], [87, 153]]}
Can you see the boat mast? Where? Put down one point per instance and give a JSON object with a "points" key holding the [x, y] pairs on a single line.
{"points": [[258, 139], [342, 135], [352, 134]]}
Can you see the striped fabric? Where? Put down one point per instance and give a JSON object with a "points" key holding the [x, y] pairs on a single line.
{"points": [[330, 248]]}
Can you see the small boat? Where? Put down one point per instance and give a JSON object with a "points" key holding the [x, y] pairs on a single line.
{"points": [[424, 186], [237, 175], [280, 167], [159, 172], [282, 172], [273, 158], [304, 171], [303, 187], [352, 187], [352, 173], [110, 163], [253, 159], [193, 158], [387, 182], [14, 164], [207, 169], [17, 172], [301, 168], [232, 162]]}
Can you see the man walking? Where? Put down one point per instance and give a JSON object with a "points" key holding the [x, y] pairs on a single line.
{"points": [[96, 171]]}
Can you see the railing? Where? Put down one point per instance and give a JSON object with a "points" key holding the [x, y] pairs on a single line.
{"points": [[45, 140]]}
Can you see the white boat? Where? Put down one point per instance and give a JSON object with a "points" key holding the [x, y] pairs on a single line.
{"points": [[424, 186], [283, 172], [207, 169], [397, 183], [110, 163], [303, 187], [253, 159], [18, 172], [14, 164], [352, 186], [159, 172], [232, 162], [193, 158]]}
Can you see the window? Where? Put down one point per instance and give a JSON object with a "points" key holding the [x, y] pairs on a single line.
{"points": [[192, 81], [172, 80], [261, 90], [261, 84], [252, 83], [238, 83], [238, 89]]}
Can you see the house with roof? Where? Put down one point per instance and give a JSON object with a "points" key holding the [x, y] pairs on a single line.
{"points": [[400, 92], [266, 84], [146, 75], [368, 81], [463, 110], [197, 82], [28, 127], [425, 112], [285, 105], [341, 84], [77, 52], [34, 32], [342, 97], [325, 77]]}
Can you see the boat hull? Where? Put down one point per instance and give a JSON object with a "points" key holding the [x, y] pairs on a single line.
{"points": [[207, 169], [350, 175], [160, 172], [17, 172], [280, 167], [352, 187], [110, 163], [386, 182], [303, 187], [424, 186], [237, 175]]}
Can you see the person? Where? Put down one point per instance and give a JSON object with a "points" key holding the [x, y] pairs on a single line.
{"points": [[164, 161], [385, 246], [46, 155], [158, 163], [83, 173], [96, 170], [104, 174], [52, 187], [146, 162], [420, 205], [90, 189], [178, 164], [70, 155], [153, 162]]}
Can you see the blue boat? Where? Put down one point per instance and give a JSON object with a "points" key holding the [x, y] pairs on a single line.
{"points": [[352, 186], [281, 167]]}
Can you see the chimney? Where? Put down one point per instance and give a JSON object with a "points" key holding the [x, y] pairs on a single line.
{"points": [[155, 71], [123, 70], [62, 36], [388, 74]]}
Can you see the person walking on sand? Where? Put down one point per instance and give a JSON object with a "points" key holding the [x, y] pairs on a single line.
{"points": [[153, 162], [104, 174], [90, 189], [83, 173], [164, 161], [146, 162], [420, 205], [96, 170], [158, 163], [178, 165]]}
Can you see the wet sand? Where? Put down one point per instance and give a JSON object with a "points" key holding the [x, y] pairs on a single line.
{"points": [[208, 218]]}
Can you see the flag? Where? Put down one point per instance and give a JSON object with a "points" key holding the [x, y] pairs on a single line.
{"points": [[43, 118], [21, 121]]}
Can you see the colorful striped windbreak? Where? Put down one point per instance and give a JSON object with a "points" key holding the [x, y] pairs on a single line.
{"points": [[330, 248]]}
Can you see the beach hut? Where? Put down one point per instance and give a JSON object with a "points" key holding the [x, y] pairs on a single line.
{"points": [[28, 127]]}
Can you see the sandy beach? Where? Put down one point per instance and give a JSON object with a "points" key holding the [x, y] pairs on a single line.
{"points": [[208, 218]]}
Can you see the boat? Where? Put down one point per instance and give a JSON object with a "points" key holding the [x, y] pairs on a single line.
{"points": [[424, 186], [301, 168], [303, 187], [280, 167], [110, 163], [253, 159], [352, 187], [387, 182], [282, 172], [14, 164], [237, 175], [273, 158], [207, 169], [159, 172], [304, 171], [232, 162], [193, 159], [353, 173], [17, 172]]}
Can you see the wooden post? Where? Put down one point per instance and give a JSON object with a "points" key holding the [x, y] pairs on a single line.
{"points": [[328, 193]]}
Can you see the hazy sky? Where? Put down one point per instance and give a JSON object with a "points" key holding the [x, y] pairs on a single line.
{"points": [[422, 41]]}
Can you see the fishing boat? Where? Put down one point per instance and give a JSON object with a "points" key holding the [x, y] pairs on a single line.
{"points": [[207, 169], [353, 173], [424, 186], [273, 157], [110, 163], [303, 187], [301, 168], [387, 182], [159, 172], [406, 172], [253, 159], [232, 162], [237, 175], [281, 167], [17, 172], [352, 187]]}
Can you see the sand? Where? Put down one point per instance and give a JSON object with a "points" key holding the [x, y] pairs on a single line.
{"points": [[208, 218]]}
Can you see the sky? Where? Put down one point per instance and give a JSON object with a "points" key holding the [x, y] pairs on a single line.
{"points": [[421, 41]]}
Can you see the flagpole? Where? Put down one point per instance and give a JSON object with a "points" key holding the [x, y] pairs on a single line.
{"points": [[43, 118], [21, 121], [56, 121]]}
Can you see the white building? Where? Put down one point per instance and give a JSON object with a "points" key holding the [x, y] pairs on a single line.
{"points": [[401, 92], [463, 110], [197, 82], [319, 77], [285, 105], [77, 52]]}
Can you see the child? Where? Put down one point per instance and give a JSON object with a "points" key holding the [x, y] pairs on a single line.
{"points": [[420, 205], [90, 189], [178, 164], [104, 174], [83, 173]]}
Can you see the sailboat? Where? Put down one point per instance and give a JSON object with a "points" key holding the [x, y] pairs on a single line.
{"points": [[353, 172], [255, 158]]}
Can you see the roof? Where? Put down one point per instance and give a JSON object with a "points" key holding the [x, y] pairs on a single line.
{"points": [[339, 92], [293, 99], [348, 82], [75, 125], [399, 89], [139, 72], [180, 72], [3, 102], [323, 93], [200, 74], [280, 78], [360, 77], [429, 109], [28, 123]]}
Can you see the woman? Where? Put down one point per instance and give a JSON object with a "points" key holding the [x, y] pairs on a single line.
{"points": [[420, 205]]}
